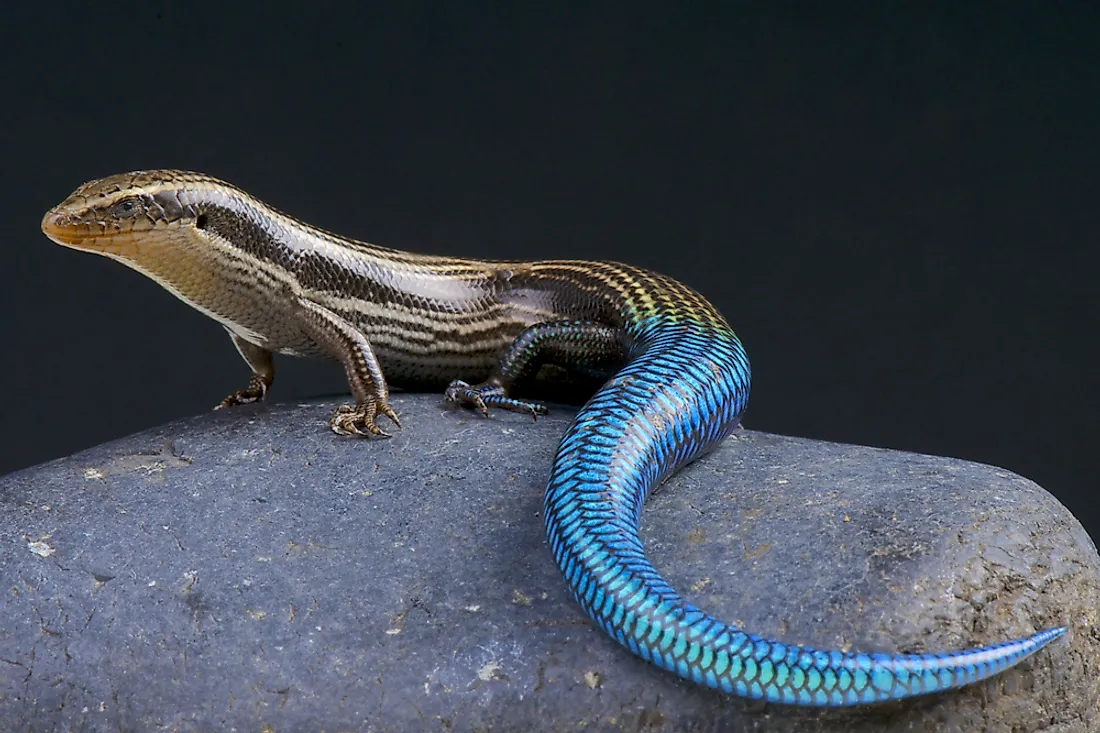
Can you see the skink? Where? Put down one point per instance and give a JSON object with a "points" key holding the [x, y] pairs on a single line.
{"points": [[673, 380]]}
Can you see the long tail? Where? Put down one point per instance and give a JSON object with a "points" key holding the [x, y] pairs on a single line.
{"points": [[684, 393]]}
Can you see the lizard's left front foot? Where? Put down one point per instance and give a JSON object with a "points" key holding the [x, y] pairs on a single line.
{"points": [[359, 419], [483, 396], [257, 390]]}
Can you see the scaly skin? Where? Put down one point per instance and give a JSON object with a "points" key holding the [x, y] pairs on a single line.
{"points": [[674, 381]]}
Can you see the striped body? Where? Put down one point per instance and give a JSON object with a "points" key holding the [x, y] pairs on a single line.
{"points": [[673, 380]]}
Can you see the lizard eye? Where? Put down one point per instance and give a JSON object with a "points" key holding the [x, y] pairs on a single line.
{"points": [[124, 208]]}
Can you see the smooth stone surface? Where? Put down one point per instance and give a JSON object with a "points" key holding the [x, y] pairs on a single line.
{"points": [[247, 568]]}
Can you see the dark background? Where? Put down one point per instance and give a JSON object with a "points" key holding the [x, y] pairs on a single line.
{"points": [[897, 208]]}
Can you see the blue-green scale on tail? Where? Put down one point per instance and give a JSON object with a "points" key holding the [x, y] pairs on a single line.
{"points": [[683, 389]]}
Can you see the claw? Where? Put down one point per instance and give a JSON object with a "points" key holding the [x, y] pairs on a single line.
{"points": [[257, 389], [244, 397], [358, 420], [483, 396], [388, 411], [461, 393]]}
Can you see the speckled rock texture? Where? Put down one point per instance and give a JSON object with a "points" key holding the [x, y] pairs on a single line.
{"points": [[248, 568]]}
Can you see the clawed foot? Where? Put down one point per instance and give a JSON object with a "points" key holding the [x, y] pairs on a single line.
{"points": [[256, 391], [359, 419], [483, 396], [244, 397]]}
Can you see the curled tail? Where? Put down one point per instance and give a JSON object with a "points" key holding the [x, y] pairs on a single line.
{"points": [[682, 394]]}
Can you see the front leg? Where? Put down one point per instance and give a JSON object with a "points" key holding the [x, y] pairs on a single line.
{"points": [[576, 345], [263, 373], [368, 386]]}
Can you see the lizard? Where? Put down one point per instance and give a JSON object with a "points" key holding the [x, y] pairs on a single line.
{"points": [[673, 380]]}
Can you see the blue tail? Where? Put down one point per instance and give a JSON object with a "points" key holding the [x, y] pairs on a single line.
{"points": [[683, 393]]}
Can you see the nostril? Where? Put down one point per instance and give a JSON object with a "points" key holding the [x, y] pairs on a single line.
{"points": [[52, 220], [59, 226]]}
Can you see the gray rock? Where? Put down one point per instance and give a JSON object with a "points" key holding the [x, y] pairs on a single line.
{"points": [[248, 568]]}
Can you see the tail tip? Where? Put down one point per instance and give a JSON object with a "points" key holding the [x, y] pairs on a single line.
{"points": [[1040, 639], [1046, 636]]}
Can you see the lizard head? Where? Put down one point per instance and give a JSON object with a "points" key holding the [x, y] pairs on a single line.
{"points": [[120, 214], [160, 223]]}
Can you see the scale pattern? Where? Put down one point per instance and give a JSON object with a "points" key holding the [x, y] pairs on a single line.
{"points": [[682, 394], [677, 382]]}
